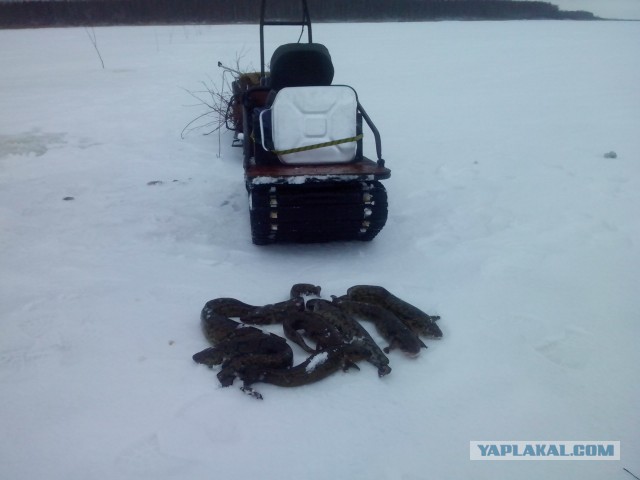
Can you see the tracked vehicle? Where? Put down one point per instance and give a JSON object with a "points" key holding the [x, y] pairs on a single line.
{"points": [[302, 140]]}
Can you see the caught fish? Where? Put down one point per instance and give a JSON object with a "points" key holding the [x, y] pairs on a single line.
{"points": [[414, 318], [302, 289], [315, 368], [387, 324], [352, 332]]}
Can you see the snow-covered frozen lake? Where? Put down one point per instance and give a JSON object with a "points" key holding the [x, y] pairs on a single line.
{"points": [[505, 218]]}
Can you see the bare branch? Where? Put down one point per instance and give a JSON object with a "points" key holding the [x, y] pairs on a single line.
{"points": [[92, 36], [218, 100]]}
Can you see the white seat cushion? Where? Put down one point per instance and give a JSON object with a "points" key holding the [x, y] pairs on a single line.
{"points": [[304, 116]]}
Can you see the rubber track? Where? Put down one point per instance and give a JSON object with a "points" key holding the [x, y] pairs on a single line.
{"points": [[322, 212]]}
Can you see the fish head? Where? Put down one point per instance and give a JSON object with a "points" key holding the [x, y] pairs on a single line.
{"points": [[409, 343], [432, 330], [209, 356]]}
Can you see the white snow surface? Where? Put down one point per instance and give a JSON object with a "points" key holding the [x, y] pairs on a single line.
{"points": [[318, 359], [505, 219]]}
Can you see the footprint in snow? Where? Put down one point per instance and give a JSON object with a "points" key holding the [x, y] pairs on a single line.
{"points": [[145, 458], [573, 348]]}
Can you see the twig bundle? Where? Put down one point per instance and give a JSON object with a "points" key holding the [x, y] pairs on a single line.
{"points": [[223, 105]]}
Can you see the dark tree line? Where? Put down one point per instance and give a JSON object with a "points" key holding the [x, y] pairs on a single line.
{"points": [[157, 12]]}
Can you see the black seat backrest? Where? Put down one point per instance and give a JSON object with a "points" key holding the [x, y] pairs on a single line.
{"points": [[300, 65]]}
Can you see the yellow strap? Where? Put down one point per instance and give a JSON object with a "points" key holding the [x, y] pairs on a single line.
{"points": [[318, 145]]}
